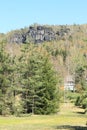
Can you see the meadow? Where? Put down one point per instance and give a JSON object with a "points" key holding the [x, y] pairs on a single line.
{"points": [[68, 115]]}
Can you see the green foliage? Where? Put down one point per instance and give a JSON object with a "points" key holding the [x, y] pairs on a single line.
{"points": [[72, 96], [78, 101], [4, 80], [39, 82], [80, 78], [82, 101]]}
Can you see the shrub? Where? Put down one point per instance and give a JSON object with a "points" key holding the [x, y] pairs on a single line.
{"points": [[84, 103]]}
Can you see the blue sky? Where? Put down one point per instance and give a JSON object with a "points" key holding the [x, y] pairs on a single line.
{"points": [[16, 14]]}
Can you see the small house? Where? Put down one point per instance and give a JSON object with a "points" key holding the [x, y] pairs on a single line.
{"points": [[69, 83]]}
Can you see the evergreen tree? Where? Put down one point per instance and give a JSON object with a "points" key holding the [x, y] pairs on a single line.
{"points": [[9, 82], [39, 83], [5, 80]]}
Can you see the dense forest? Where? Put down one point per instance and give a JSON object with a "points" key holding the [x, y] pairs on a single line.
{"points": [[33, 64]]}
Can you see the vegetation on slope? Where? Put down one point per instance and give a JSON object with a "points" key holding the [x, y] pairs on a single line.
{"points": [[32, 75]]}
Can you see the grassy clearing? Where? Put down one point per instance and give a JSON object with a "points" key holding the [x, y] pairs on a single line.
{"points": [[67, 116]]}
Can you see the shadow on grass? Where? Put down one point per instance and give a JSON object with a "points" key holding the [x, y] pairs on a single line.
{"points": [[68, 127], [80, 113]]}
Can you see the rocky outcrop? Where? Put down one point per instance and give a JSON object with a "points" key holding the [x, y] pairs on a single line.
{"points": [[17, 38], [41, 34], [37, 34]]}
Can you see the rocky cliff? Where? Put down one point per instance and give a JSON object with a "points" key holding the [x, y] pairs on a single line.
{"points": [[37, 34]]}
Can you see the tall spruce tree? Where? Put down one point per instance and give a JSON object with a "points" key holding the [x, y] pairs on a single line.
{"points": [[39, 82]]}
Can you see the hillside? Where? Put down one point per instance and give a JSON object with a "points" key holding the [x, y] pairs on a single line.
{"points": [[34, 64], [67, 44], [40, 33]]}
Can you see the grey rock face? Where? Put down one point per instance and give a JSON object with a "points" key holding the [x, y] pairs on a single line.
{"points": [[41, 34], [17, 38], [37, 34]]}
